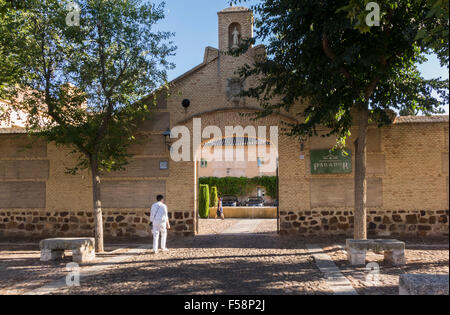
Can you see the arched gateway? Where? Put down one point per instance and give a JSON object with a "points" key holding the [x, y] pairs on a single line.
{"points": [[407, 165], [232, 122]]}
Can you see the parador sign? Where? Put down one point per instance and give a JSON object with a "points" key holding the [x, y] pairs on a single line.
{"points": [[331, 162]]}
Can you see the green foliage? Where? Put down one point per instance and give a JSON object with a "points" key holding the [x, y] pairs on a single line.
{"points": [[203, 201], [316, 52], [240, 186], [433, 30], [214, 197], [227, 185], [270, 183], [83, 85]]}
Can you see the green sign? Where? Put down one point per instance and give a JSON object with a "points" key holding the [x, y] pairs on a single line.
{"points": [[331, 162]]}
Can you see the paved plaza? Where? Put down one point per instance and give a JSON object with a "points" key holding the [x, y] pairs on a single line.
{"points": [[234, 257]]}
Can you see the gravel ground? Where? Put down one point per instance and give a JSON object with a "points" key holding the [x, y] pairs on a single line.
{"points": [[22, 271], [267, 226], [214, 263], [429, 259], [215, 226]]}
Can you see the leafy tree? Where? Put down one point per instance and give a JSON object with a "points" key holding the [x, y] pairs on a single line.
{"points": [[83, 85], [432, 28], [347, 74], [408, 112], [203, 201], [214, 197]]}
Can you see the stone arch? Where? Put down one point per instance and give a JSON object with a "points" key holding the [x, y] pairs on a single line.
{"points": [[187, 172]]}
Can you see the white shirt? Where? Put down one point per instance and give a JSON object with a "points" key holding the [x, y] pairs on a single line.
{"points": [[159, 212]]}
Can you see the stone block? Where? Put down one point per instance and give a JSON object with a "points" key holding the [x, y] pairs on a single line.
{"points": [[83, 254], [394, 250], [395, 257], [356, 257], [83, 249], [48, 254], [423, 284]]}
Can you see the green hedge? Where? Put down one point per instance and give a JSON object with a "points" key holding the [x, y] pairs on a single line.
{"points": [[203, 201], [214, 199], [240, 186]]}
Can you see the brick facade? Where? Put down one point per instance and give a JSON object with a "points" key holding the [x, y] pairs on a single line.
{"points": [[407, 168]]}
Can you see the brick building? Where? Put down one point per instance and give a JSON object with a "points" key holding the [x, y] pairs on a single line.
{"points": [[407, 166]]}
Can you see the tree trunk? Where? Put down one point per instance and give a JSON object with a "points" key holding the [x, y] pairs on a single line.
{"points": [[98, 216], [360, 232]]}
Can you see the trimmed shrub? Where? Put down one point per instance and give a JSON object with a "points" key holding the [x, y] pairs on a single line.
{"points": [[203, 201], [214, 197], [240, 186]]}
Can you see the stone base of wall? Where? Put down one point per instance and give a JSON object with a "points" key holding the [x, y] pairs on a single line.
{"points": [[120, 223], [28, 223], [379, 223]]}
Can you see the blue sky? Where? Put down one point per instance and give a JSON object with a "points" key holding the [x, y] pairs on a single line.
{"points": [[195, 25]]}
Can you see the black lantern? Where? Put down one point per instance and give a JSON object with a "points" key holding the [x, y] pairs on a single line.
{"points": [[186, 103]]}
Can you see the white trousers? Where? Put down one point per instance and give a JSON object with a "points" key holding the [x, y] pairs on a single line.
{"points": [[159, 227]]}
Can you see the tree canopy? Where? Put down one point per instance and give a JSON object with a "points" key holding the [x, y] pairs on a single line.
{"points": [[318, 51], [345, 71], [81, 73]]}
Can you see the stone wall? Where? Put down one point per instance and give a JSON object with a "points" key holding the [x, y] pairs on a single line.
{"points": [[380, 223], [117, 223]]}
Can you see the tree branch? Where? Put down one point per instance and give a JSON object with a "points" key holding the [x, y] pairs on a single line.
{"points": [[330, 54]]}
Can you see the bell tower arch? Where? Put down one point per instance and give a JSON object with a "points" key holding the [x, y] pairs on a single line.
{"points": [[235, 25]]}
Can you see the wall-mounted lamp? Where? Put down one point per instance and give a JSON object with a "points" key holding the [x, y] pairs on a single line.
{"points": [[167, 140], [302, 146], [186, 103]]}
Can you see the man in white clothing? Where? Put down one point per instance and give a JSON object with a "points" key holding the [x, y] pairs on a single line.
{"points": [[160, 220]]}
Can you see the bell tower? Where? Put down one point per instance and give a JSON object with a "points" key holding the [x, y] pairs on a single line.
{"points": [[235, 24]]}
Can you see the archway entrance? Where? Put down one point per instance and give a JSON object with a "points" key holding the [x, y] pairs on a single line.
{"points": [[241, 174], [233, 122]]}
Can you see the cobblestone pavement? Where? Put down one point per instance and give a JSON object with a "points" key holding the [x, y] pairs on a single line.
{"points": [[260, 263], [214, 264], [22, 271], [427, 259]]}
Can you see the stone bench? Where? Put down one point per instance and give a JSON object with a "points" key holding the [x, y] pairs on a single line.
{"points": [[420, 284], [83, 249], [394, 251]]}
